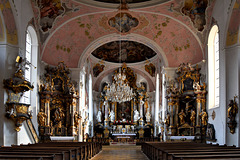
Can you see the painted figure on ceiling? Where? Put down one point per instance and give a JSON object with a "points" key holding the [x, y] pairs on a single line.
{"points": [[195, 9], [49, 10], [97, 69], [123, 22]]}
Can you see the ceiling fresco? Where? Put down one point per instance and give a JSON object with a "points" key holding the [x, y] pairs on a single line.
{"points": [[131, 52], [174, 26], [233, 28], [8, 17], [118, 1]]}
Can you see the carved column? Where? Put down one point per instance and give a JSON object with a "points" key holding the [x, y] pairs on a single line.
{"points": [[176, 111], [198, 109], [172, 110]]}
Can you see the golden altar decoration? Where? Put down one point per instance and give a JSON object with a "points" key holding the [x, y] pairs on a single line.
{"points": [[59, 115], [186, 111]]}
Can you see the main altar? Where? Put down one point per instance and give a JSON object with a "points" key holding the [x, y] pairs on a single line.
{"points": [[124, 120]]}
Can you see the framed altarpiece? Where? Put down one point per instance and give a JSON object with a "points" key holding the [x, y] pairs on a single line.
{"points": [[186, 111]]}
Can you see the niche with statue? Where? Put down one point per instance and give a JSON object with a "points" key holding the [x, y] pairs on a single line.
{"points": [[186, 111]]}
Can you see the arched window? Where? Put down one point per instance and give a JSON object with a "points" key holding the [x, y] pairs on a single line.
{"points": [[28, 55], [213, 67], [31, 55]]}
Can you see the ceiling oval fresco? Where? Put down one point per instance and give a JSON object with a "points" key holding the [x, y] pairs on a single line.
{"points": [[131, 52], [118, 1]]}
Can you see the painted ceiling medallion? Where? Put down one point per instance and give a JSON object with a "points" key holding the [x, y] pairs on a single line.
{"points": [[131, 52], [118, 1], [123, 22], [195, 9]]}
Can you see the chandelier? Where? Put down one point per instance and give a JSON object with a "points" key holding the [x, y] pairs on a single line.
{"points": [[120, 90]]}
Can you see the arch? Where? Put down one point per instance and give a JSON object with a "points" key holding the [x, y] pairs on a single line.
{"points": [[116, 37], [213, 67], [97, 84]]}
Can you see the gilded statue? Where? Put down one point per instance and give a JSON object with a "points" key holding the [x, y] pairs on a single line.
{"points": [[182, 116], [167, 119], [77, 117], [192, 117], [232, 110], [41, 118], [204, 117]]}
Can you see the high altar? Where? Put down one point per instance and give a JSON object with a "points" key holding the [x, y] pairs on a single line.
{"points": [[124, 121], [186, 111]]}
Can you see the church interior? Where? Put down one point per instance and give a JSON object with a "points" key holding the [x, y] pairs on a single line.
{"points": [[154, 73]]}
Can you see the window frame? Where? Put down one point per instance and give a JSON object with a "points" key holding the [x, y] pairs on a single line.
{"points": [[213, 68]]}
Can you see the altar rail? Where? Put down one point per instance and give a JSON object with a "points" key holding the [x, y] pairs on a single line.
{"points": [[189, 150], [139, 141], [52, 151]]}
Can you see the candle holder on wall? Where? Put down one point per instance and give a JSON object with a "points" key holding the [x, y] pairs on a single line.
{"points": [[231, 114], [15, 88]]}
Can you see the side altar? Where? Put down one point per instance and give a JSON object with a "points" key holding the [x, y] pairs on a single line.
{"points": [[186, 111], [59, 115]]}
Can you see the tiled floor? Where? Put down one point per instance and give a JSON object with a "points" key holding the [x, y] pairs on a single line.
{"points": [[120, 153]]}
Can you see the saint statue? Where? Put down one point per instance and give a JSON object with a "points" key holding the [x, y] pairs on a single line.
{"points": [[58, 116], [204, 117], [182, 116], [167, 119], [41, 118], [148, 116], [136, 116], [112, 116], [232, 110], [99, 116], [192, 117], [77, 117]]}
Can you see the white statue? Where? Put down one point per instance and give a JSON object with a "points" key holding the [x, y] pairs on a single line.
{"points": [[136, 116], [148, 116], [99, 116], [112, 116]]}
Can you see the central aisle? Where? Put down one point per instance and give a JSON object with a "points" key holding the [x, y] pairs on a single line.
{"points": [[123, 152]]}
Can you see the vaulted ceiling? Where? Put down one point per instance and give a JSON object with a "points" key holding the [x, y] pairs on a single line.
{"points": [[174, 30]]}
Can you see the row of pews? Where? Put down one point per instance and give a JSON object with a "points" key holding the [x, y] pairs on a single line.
{"points": [[189, 151], [51, 151]]}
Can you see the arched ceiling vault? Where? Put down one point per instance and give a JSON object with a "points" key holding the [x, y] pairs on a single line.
{"points": [[96, 84], [71, 30]]}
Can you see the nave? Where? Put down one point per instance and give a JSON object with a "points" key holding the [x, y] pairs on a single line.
{"points": [[120, 152]]}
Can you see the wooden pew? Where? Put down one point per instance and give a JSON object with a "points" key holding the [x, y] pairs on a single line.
{"points": [[188, 150], [26, 157], [55, 155], [62, 150]]}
